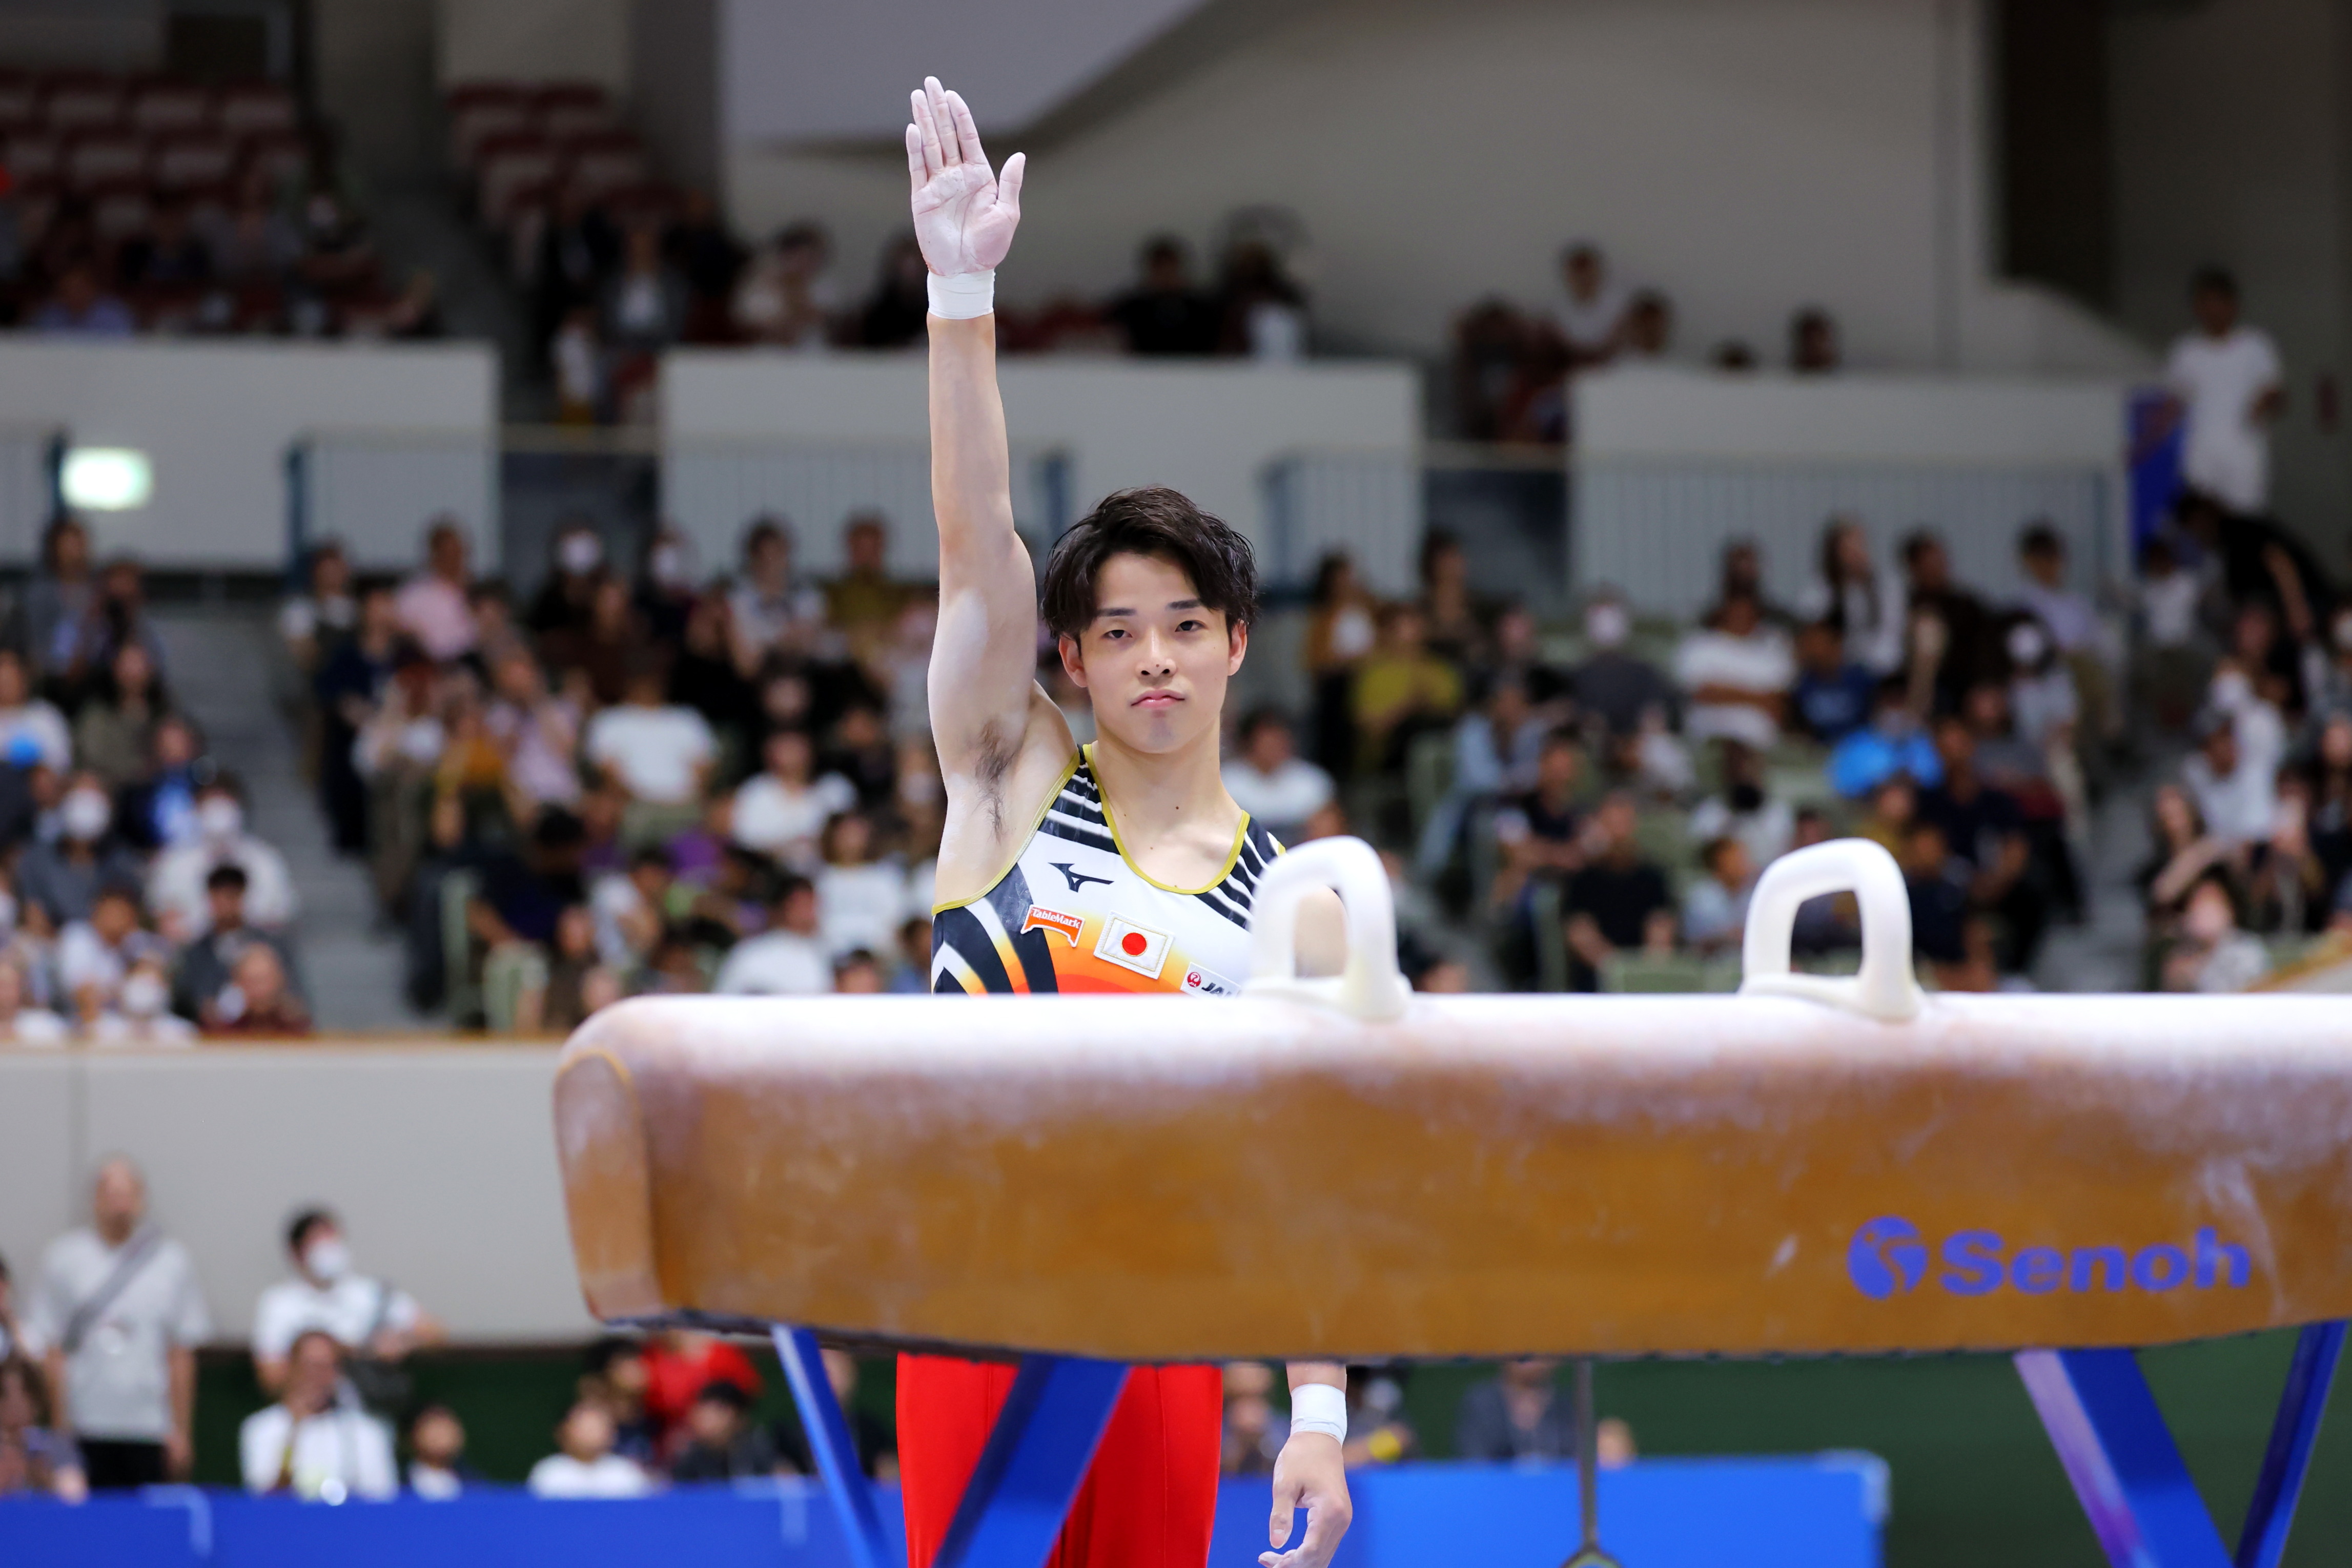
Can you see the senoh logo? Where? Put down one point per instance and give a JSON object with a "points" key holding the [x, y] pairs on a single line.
{"points": [[1888, 1257]]}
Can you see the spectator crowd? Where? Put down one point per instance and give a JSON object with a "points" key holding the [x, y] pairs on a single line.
{"points": [[613, 287], [137, 906], [99, 1388], [1512, 366], [173, 206], [646, 779], [639, 780]]}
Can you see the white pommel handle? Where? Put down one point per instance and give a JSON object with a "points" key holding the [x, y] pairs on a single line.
{"points": [[1369, 988], [1885, 988]]}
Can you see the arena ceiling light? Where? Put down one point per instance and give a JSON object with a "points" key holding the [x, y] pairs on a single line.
{"points": [[106, 478]]}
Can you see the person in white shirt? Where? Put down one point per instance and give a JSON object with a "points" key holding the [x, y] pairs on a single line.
{"points": [[584, 1464], [2233, 775], [780, 811], [1866, 602], [20, 1024], [310, 1444], [861, 895], [141, 1014], [362, 1315], [175, 888], [771, 611], [659, 752], [2074, 625], [1592, 308], [117, 1314], [1271, 781], [1736, 673], [437, 1440], [788, 959], [2227, 377], [95, 957], [28, 723]]}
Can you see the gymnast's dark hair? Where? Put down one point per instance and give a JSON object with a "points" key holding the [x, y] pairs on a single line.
{"points": [[1154, 521]]}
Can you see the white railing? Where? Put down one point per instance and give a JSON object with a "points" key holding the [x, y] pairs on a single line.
{"points": [[1366, 503], [378, 492], [1655, 528]]}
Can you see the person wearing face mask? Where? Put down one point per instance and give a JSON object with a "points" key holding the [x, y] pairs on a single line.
{"points": [[374, 1320], [1615, 686], [96, 956], [176, 890], [666, 594], [562, 603], [141, 1014], [58, 878]]}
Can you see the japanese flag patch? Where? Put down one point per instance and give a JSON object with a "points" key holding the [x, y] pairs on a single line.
{"points": [[1133, 947]]}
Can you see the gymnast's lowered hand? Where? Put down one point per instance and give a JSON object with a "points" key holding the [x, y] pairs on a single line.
{"points": [[1311, 1471]]}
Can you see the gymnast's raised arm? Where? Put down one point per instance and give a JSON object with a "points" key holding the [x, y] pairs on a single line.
{"points": [[1002, 743]]}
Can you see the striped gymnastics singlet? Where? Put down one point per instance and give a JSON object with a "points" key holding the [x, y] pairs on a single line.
{"points": [[1073, 913]]}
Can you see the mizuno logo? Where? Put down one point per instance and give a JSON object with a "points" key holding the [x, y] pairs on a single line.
{"points": [[1077, 879], [1888, 1257]]}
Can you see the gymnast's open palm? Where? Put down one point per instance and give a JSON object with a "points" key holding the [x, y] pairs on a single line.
{"points": [[965, 215]]}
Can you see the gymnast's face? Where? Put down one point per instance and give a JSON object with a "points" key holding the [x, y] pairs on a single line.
{"points": [[1154, 660]]}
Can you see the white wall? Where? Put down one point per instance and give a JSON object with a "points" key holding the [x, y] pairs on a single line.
{"points": [[1210, 430], [534, 40], [1984, 421], [216, 421], [440, 1158], [2231, 134], [1748, 156], [1671, 465], [813, 70]]}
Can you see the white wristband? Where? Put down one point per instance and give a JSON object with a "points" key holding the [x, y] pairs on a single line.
{"points": [[964, 295], [1319, 1407]]}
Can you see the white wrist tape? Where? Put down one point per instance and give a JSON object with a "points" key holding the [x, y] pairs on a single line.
{"points": [[964, 295], [1319, 1407]]}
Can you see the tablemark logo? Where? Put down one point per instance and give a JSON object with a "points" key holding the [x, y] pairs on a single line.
{"points": [[1888, 1257]]}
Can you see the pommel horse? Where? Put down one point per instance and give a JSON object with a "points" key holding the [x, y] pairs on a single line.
{"points": [[1340, 1170]]}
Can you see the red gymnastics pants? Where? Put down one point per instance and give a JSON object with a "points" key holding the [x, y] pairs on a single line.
{"points": [[1148, 1501]]}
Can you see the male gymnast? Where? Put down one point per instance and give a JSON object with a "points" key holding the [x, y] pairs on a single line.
{"points": [[1121, 866]]}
